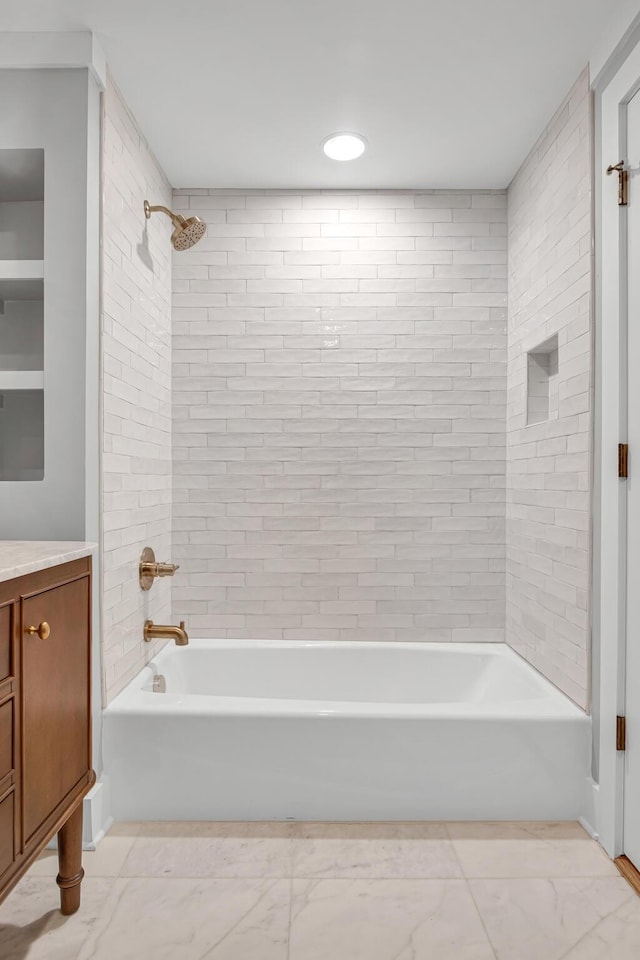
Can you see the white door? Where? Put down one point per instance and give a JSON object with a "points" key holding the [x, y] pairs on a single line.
{"points": [[632, 697]]}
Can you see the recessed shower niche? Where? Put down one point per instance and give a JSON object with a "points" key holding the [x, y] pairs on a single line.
{"points": [[542, 382], [21, 315]]}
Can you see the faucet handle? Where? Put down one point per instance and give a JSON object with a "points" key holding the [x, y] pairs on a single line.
{"points": [[149, 569]]}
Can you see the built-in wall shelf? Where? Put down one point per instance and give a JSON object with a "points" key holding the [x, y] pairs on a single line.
{"points": [[22, 315], [49, 315], [21, 270], [21, 334], [21, 379], [19, 289], [21, 435], [21, 175]]}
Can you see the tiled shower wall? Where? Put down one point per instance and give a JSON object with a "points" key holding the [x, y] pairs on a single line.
{"points": [[339, 416], [548, 463], [136, 350]]}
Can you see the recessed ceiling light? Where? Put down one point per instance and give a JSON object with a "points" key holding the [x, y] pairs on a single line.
{"points": [[344, 146]]}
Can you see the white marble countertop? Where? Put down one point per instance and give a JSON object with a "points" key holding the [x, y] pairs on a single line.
{"points": [[19, 557]]}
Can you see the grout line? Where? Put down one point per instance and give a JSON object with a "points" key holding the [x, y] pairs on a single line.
{"points": [[290, 915], [481, 918], [451, 841], [423, 878], [588, 932]]}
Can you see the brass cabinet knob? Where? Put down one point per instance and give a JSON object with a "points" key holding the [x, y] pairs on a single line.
{"points": [[43, 630]]}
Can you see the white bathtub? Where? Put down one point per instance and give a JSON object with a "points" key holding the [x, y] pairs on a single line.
{"points": [[268, 730]]}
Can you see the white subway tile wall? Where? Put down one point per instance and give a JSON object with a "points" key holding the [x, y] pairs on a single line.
{"points": [[339, 378], [136, 348], [549, 463]]}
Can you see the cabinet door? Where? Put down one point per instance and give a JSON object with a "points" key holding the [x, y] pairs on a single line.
{"points": [[7, 826], [7, 790], [55, 697], [6, 666]]}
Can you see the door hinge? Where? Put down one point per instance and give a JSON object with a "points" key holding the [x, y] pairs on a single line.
{"points": [[623, 182], [623, 460], [621, 733]]}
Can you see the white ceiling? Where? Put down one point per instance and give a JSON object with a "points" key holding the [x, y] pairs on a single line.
{"points": [[240, 93]]}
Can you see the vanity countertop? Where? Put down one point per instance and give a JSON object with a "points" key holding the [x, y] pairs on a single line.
{"points": [[19, 557]]}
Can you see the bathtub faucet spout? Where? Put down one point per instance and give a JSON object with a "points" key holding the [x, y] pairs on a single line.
{"points": [[157, 631]]}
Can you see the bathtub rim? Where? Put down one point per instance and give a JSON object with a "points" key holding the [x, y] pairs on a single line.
{"points": [[552, 705]]}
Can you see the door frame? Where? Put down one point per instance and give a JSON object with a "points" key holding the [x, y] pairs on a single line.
{"points": [[620, 82]]}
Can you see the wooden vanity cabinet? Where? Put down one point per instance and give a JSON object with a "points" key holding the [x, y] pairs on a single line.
{"points": [[45, 721]]}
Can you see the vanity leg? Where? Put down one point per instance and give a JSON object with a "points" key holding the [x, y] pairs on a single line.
{"points": [[70, 862]]}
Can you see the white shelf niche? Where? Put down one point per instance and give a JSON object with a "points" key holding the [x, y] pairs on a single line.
{"points": [[21, 269], [21, 334], [21, 435], [21, 380], [542, 382], [22, 205], [21, 315]]}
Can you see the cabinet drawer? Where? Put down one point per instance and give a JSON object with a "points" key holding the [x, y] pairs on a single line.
{"points": [[5, 643], [7, 826], [6, 739], [55, 697]]}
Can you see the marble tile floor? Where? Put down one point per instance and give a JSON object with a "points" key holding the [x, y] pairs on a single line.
{"points": [[284, 891]]}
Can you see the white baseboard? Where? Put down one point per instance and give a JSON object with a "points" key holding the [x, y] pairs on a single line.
{"points": [[590, 818], [96, 814]]}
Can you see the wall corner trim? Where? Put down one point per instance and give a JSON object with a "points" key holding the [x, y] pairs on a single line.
{"points": [[23, 51], [603, 72]]}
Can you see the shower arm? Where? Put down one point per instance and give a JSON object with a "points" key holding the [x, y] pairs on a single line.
{"points": [[175, 218]]}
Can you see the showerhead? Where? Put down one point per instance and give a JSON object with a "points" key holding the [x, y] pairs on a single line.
{"points": [[186, 233]]}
